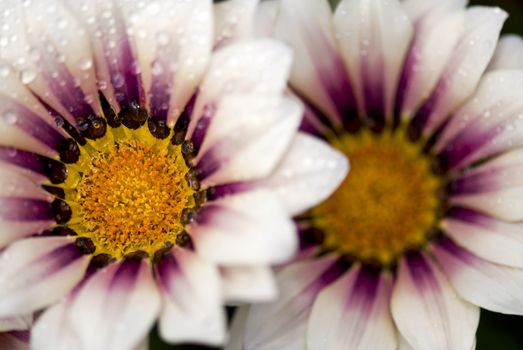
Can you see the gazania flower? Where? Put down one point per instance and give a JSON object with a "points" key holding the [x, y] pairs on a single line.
{"points": [[146, 172], [426, 227]]}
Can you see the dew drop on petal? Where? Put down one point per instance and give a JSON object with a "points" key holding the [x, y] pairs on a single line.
{"points": [[117, 80], [28, 76], [86, 63], [9, 117], [156, 68]]}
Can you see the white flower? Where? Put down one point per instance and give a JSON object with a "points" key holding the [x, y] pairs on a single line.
{"points": [[425, 230], [147, 171]]}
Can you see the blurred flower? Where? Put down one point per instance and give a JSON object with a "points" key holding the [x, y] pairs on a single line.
{"points": [[145, 171], [426, 228]]}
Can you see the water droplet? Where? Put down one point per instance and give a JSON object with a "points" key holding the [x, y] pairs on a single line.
{"points": [[162, 38], [118, 80], [156, 68], [9, 117], [28, 76], [86, 63]]}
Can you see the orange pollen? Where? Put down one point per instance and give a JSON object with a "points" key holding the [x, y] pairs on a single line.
{"points": [[131, 198]]}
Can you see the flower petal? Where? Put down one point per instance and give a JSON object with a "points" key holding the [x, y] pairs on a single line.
{"points": [[266, 15], [248, 283], [426, 310], [486, 125], [36, 272], [509, 53], [318, 73], [234, 20], [254, 66], [353, 313], [58, 48], [192, 299], [466, 65], [439, 26], [116, 308], [246, 229], [52, 330], [491, 286], [374, 36], [310, 171], [491, 239], [283, 323], [247, 143], [172, 58], [16, 323]]}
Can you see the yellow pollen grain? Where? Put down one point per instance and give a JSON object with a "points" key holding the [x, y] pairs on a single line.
{"points": [[386, 204], [131, 198]]}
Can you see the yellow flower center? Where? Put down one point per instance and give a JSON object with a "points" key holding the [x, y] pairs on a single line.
{"points": [[131, 198], [388, 202]]}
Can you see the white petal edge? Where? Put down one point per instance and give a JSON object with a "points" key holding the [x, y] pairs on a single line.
{"points": [[192, 295], [309, 173], [509, 53], [491, 286], [427, 311], [353, 313], [248, 283], [247, 228], [116, 308]]}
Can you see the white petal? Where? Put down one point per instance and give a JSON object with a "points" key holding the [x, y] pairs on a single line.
{"points": [[24, 122], [57, 49], [36, 272], [266, 14], [505, 204], [192, 309], [493, 240], [234, 20], [253, 66], [16, 323], [116, 307], [14, 341], [489, 123], [353, 313], [318, 72], [52, 330], [310, 171], [248, 283], [491, 286], [283, 323], [509, 53], [374, 36], [427, 312], [172, 58], [246, 229], [439, 26], [248, 136], [467, 63]]}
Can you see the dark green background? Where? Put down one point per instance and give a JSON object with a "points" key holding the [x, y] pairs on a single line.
{"points": [[495, 331]]}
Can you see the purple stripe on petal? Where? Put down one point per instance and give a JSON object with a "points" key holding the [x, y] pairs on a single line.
{"points": [[335, 79], [160, 93], [28, 160], [467, 215], [312, 112], [209, 163], [337, 269], [224, 190], [64, 85], [31, 123], [125, 277], [165, 268], [374, 96], [421, 272], [460, 253], [123, 66], [25, 209], [20, 335], [405, 78], [471, 184], [465, 144], [209, 110]]}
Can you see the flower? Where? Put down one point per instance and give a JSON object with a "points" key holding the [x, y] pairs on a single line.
{"points": [[147, 171], [426, 227]]}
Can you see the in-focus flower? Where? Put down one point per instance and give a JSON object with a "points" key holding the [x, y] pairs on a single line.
{"points": [[144, 170], [426, 227]]}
